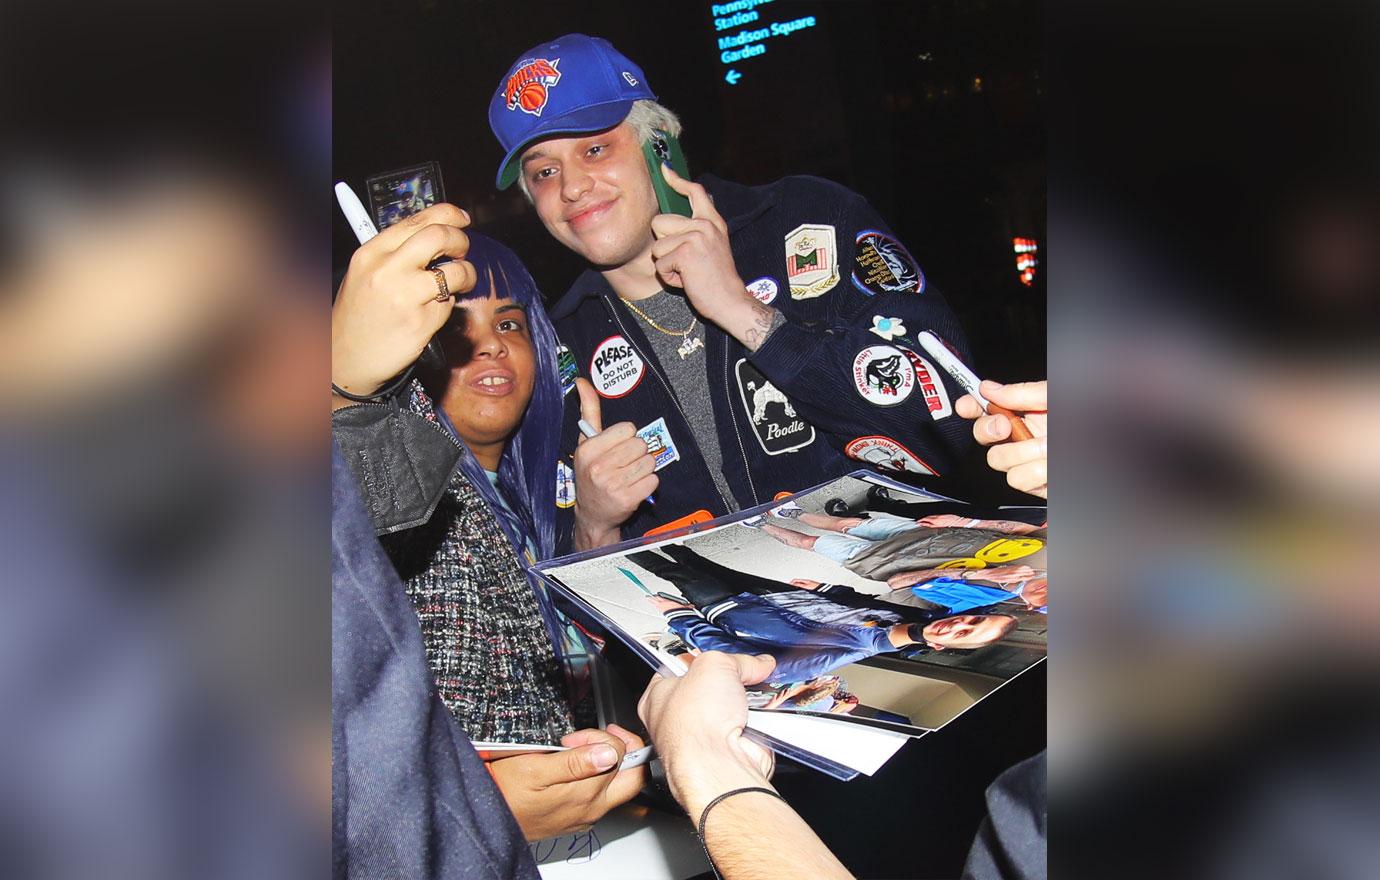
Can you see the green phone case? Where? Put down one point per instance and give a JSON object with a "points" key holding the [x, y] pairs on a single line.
{"points": [[664, 148]]}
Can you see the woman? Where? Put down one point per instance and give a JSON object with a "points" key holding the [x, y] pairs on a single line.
{"points": [[491, 638]]}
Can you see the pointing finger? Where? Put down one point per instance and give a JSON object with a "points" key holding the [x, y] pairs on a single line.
{"points": [[701, 206]]}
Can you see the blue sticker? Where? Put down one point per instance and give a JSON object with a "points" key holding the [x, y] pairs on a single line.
{"points": [[566, 369], [565, 485], [881, 264], [659, 443]]}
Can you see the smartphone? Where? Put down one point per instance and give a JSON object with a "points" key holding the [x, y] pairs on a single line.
{"points": [[433, 356], [661, 147]]}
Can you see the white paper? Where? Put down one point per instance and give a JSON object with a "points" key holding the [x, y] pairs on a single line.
{"points": [[863, 748], [630, 843]]}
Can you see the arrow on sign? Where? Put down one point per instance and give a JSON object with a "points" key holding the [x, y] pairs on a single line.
{"points": [[732, 77]]}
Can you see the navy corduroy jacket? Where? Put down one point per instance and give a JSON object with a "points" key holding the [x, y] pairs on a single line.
{"points": [[841, 382]]}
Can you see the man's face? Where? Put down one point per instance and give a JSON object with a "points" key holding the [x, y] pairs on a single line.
{"points": [[493, 369], [594, 194], [966, 631]]}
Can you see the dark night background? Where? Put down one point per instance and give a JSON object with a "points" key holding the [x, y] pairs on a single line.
{"points": [[932, 110], [880, 96]]}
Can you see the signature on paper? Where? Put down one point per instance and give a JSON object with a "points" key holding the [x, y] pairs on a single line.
{"points": [[576, 849]]}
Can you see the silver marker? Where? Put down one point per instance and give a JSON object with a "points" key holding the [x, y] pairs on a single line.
{"points": [[952, 365], [965, 377]]}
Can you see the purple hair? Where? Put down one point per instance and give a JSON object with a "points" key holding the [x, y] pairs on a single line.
{"points": [[527, 469]]}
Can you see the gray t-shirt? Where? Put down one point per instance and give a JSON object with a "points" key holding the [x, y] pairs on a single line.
{"points": [[688, 375]]}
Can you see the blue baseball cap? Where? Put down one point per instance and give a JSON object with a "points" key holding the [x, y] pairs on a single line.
{"points": [[571, 85]]}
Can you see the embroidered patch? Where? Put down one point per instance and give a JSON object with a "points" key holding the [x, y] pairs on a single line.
{"points": [[887, 328], [659, 443], [764, 289], [779, 428], [882, 375], [812, 260], [530, 85], [616, 367], [931, 386], [886, 454], [565, 369], [565, 485], [881, 264]]}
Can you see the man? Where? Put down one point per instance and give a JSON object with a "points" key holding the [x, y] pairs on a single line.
{"points": [[808, 632], [768, 335]]}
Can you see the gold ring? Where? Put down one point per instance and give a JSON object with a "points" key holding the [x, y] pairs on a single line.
{"points": [[442, 287]]}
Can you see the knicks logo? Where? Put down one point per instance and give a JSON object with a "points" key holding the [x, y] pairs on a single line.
{"points": [[527, 89]]}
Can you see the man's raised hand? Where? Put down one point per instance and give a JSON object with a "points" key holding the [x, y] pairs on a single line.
{"points": [[694, 253]]}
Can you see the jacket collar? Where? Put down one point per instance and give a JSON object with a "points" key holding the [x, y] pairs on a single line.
{"points": [[739, 205]]}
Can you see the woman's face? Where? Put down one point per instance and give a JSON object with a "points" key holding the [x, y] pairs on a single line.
{"points": [[492, 372]]}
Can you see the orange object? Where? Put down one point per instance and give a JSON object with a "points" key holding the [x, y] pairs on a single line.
{"points": [[1018, 429], [685, 522]]}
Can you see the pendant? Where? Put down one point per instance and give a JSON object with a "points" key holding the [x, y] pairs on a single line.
{"points": [[689, 345]]}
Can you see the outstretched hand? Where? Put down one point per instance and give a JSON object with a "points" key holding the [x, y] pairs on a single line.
{"points": [[696, 722], [1025, 462], [553, 793]]}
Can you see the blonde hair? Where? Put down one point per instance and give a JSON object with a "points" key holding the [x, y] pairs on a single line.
{"points": [[646, 118]]}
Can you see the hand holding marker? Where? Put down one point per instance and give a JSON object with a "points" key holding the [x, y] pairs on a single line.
{"points": [[354, 212], [965, 377], [591, 414], [588, 430]]}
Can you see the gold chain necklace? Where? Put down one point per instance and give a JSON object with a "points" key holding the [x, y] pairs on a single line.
{"points": [[655, 326]]}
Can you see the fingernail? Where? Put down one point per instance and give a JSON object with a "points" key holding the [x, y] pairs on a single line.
{"points": [[603, 757]]}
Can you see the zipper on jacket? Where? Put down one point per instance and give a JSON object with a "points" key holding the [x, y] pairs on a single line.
{"points": [[737, 433], [649, 361]]}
